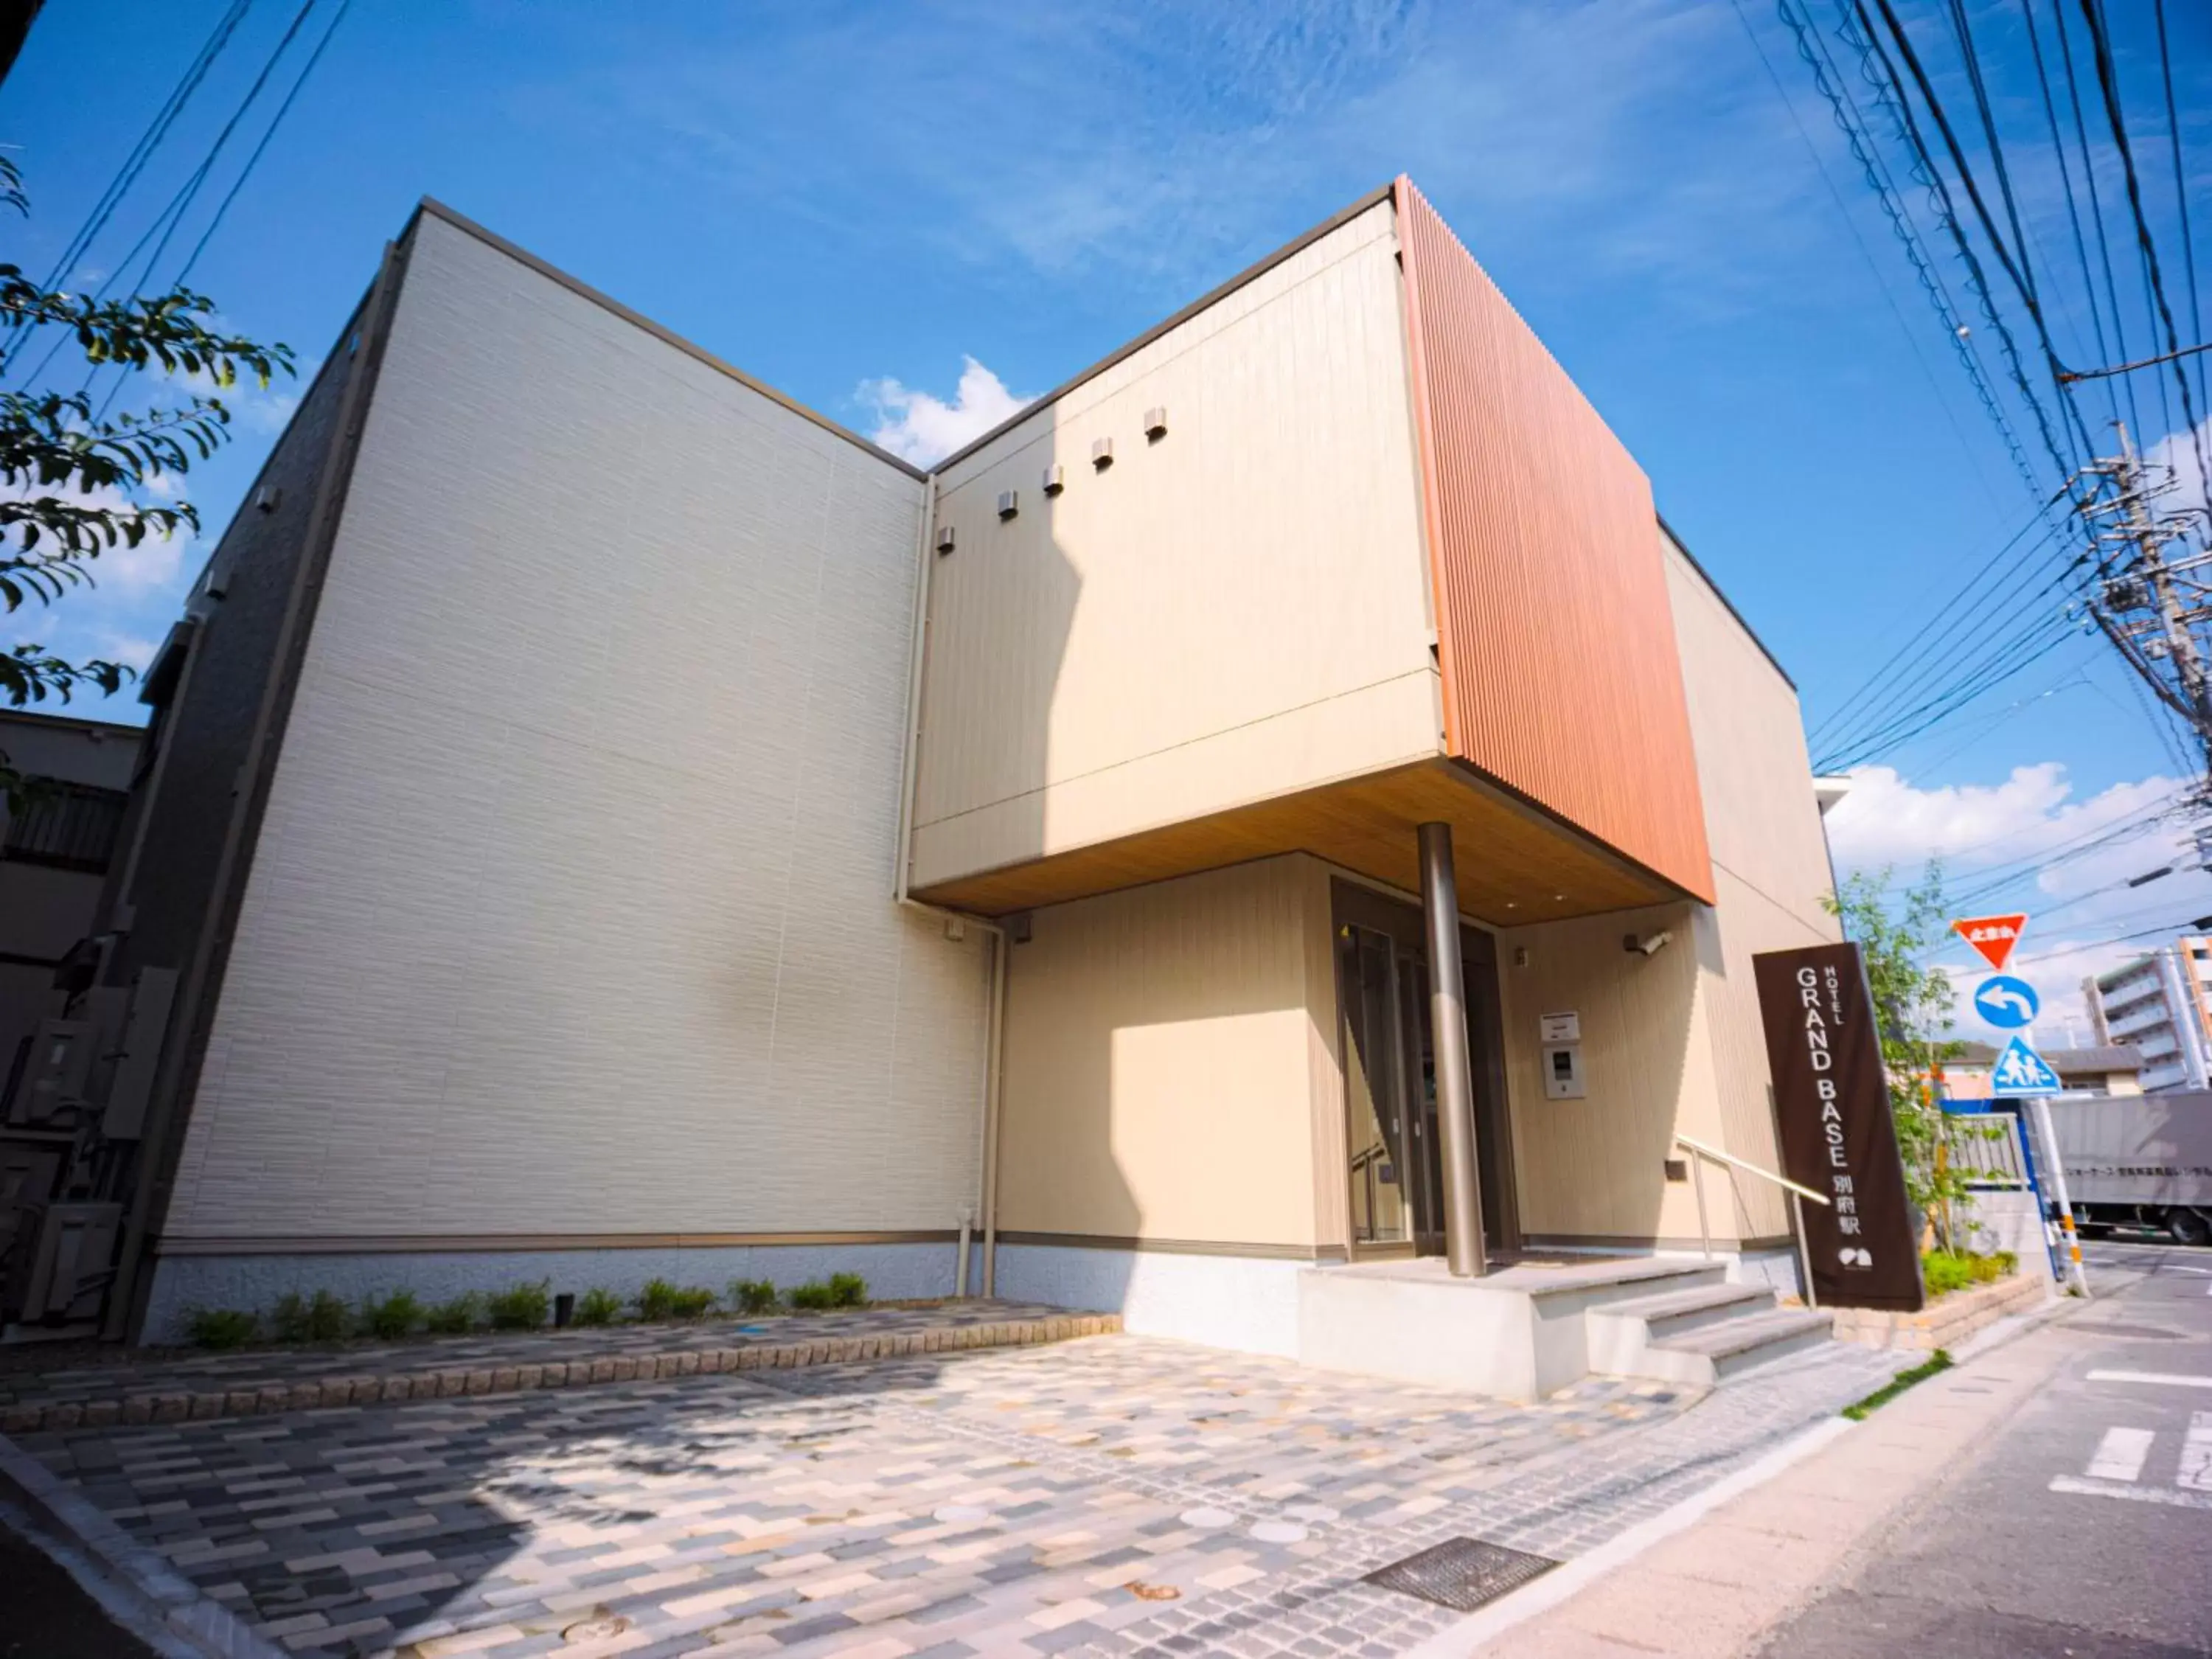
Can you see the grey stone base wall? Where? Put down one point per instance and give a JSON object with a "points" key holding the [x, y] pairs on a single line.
{"points": [[182, 1283]]}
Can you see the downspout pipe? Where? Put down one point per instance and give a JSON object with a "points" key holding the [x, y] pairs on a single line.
{"points": [[987, 1204]]}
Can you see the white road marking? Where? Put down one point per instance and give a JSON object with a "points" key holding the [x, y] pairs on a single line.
{"points": [[2168, 1378], [2180, 1500], [2197, 1455], [2120, 1455]]}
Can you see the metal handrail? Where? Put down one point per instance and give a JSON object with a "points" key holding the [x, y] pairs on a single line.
{"points": [[1699, 1150], [1752, 1169]]}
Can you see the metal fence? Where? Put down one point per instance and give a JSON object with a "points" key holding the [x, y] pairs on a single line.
{"points": [[1985, 1148]]}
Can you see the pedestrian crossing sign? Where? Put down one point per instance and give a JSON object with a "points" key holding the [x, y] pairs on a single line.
{"points": [[2021, 1071]]}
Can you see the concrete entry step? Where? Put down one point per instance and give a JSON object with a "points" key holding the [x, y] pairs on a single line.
{"points": [[1736, 1345], [1521, 1332], [1678, 1312]]}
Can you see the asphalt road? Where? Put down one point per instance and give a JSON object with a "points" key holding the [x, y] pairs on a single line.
{"points": [[2084, 1527], [45, 1615]]}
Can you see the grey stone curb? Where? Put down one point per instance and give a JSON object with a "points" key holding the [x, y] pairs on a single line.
{"points": [[435, 1382], [135, 1574]]}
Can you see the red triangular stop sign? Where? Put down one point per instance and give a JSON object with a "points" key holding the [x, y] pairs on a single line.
{"points": [[1993, 935]]}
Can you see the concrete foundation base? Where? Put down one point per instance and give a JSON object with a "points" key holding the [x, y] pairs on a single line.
{"points": [[1518, 1331]]}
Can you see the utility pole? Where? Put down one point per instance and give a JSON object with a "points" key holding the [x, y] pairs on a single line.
{"points": [[2150, 606]]}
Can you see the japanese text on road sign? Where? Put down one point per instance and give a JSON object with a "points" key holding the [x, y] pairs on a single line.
{"points": [[1993, 935]]}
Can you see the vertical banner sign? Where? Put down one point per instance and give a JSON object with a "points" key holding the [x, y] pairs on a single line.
{"points": [[1832, 1106]]}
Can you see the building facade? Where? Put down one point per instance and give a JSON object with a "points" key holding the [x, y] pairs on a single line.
{"points": [[54, 853], [1284, 799], [2159, 1005]]}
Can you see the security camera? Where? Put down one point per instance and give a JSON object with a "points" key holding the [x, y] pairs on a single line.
{"points": [[1650, 945]]}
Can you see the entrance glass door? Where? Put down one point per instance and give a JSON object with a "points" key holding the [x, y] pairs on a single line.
{"points": [[1378, 1123], [1427, 1187], [1392, 1138]]}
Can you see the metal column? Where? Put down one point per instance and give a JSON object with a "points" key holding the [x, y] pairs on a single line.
{"points": [[1455, 1068]]}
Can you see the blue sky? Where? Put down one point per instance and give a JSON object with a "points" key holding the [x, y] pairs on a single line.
{"points": [[907, 216]]}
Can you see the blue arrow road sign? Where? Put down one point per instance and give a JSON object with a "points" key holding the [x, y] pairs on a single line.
{"points": [[2021, 1071], [2007, 1003]]}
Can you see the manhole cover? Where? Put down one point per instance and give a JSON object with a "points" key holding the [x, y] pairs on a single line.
{"points": [[1461, 1573]]}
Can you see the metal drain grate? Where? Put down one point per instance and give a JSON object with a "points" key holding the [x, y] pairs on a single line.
{"points": [[1461, 1573]]}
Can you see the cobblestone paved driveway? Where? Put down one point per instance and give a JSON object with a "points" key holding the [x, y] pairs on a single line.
{"points": [[1115, 1495]]}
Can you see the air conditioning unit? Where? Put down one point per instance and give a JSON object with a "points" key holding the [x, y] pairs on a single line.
{"points": [[63, 1262], [56, 1067]]}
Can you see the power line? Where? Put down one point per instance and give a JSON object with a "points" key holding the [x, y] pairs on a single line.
{"points": [[166, 222], [2011, 712], [2000, 644], [1994, 672], [2108, 83], [1866, 253], [2096, 199], [276, 121], [2022, 283], [133, 164], [1833, 86], [2072, 211], [2188, 242], [1937, 618], [2143, 821]]}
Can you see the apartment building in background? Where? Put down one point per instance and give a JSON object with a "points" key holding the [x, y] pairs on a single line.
{"points": [[54, 853], [605, 820], [2159, 1005]]}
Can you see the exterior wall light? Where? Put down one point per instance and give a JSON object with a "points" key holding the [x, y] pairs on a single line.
{"points": [[944, 539], [1055, 479], [1010, 503], [1156, 424], [1101, 453]]}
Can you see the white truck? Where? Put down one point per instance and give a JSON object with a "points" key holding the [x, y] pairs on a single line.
{"points": [[2138, 1161]]}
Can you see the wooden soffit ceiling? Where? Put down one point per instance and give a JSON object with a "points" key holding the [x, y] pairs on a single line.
{"points": [[1515, 865]]}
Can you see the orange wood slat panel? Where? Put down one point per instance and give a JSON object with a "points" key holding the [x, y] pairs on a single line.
{"points": [[1554, 633]]}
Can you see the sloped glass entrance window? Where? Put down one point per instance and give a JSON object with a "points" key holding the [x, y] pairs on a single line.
{"points": [[1375, 1087]]}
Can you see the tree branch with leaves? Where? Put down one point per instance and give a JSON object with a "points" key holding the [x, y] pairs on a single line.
{"points": [[1913, 1008], [74, 480]]}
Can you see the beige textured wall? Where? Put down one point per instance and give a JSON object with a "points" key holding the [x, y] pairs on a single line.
{"points": [[1236, 612], [1167, 1061], [1770, 859], [1595, 1167], [571, 913]]}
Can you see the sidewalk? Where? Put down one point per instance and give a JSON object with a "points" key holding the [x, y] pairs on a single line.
{"points": [[1713, 1588], [1118, 1496], [178, 1387]]}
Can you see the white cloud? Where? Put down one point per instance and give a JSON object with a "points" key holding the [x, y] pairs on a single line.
{"points": [[2175, 454], [132, 650], [924, 428], [153, 563], [1885, 820], [2072, 859]]}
